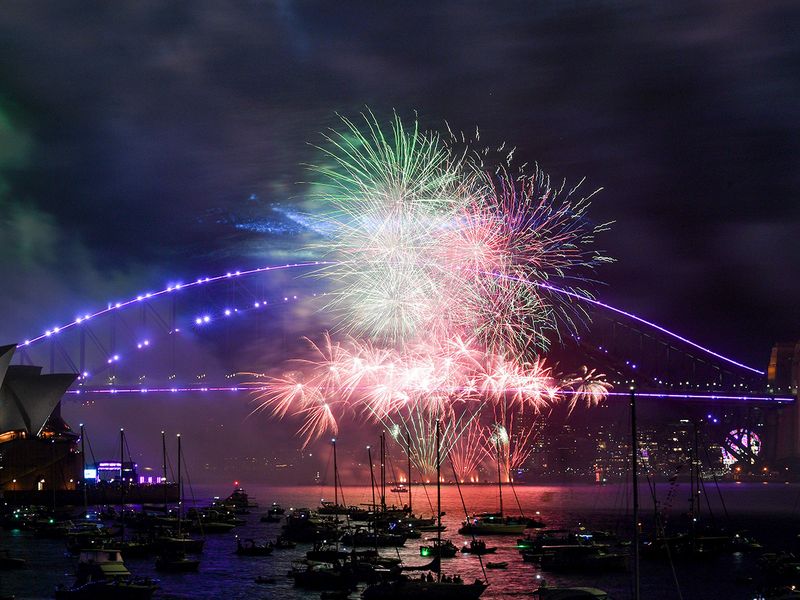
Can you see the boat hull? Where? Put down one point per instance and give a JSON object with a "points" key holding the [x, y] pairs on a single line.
{"points": [[424, 590]]}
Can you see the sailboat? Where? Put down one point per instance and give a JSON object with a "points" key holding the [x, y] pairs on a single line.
{"points": [[174, 559], [133, 547], [494, 523], [170, 542], [326, 506], [544, 592], [701, 540], [428, 588]]}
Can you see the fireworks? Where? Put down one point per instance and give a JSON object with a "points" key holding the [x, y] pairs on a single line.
{"points": [[423, 241], [385, 197], [468, 452], [433, 263], [588, 387], [404, 390]]}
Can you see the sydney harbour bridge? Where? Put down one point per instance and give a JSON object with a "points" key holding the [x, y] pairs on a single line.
{"points": [[202, 335]]}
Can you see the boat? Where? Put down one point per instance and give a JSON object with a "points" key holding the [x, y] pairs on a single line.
{"points": [[212, 521], [477, 547], [335, 595], [304, 526], [172, 557], [250, 548], [51, 529], [497, 565], [271, 518], [136, 548], [426, 587], [492, 524], [8, 562], [579, 557], [239, 501], [283, 544], [423, 589], [363, 538], [497, 523], [434, 565], [276, 509], [440, 548], [179, 541], [102, 574], [400, 489], [176, 562], [570, 593], [533, 522], [546, 537], [86, 535], [326, 507], [323, 552], [321, 576], [686, 546]]}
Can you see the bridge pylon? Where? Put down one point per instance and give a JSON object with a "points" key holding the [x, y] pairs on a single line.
{"points": [[783, 377]]}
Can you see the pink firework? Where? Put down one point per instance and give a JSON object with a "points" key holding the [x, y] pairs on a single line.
{"points": [[411, 387], [468, 452], [588, 387]]}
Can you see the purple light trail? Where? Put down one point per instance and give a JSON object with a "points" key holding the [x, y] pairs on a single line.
{"points": [[167, 290], [630, 315], [229, 274]]}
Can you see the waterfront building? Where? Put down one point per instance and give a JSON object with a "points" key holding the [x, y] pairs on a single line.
{"points": [[38, 450]]}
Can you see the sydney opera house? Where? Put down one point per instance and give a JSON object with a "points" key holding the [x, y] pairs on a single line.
{"points": [[38, 450]]}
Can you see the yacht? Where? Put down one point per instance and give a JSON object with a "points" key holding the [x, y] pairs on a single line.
{"points": [[578, 557], [493, 524], [101, 574]]}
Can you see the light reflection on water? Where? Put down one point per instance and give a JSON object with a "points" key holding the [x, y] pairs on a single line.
{"points": [[766, 510]]}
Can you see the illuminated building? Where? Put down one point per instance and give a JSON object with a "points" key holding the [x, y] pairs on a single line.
{"points": [[38, 450]]}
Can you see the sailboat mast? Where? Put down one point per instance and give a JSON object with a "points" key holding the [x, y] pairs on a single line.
{"points": [[372, 479], [408, 454], [374, 511], [499, 479], [83, 473], [180, 487], [438, 504], [635, 471], [383, 471], [696, 498], [164, 468], [121, 482], [335, 475]]}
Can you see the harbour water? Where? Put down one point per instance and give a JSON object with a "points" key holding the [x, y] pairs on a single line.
{"points": [[768, 512]]}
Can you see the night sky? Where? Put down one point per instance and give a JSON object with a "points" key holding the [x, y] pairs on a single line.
{"points": [[144, 141]]}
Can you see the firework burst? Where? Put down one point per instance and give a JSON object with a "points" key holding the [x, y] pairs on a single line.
{"points": [[424, 241], [588, 387], [435, 265]]}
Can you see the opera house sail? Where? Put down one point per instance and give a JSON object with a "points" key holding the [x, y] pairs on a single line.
{"points": [[38, 450]]}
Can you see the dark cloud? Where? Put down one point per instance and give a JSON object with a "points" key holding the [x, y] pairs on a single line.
{"points": [[150, 117]]}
